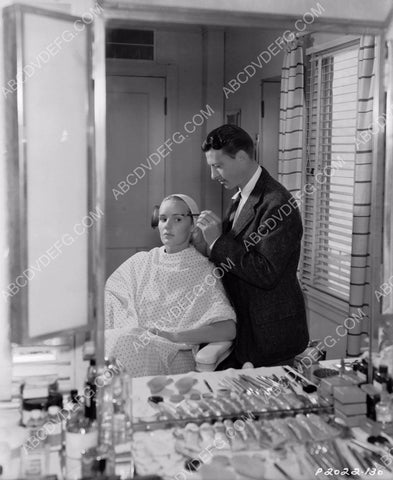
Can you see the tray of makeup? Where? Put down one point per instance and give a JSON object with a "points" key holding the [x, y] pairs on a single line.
{"points": [[174, 401], [298, 447]]}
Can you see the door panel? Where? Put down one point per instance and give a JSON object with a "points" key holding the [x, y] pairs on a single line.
{"points": [[135, 129]]}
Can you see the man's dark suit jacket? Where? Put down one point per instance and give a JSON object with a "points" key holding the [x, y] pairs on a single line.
{"points": [[264, 245]]}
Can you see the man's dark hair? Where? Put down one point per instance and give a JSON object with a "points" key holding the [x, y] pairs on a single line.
{"points": [[230, 139]]}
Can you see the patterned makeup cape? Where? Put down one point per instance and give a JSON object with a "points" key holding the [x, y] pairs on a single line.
{"points": [[171, 292]]}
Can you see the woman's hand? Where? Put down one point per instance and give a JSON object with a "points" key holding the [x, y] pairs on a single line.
{"points": [[171, 336], [215, 332]]}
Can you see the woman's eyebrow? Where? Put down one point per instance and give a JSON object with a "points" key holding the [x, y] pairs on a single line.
{"points": [[165, 215]]}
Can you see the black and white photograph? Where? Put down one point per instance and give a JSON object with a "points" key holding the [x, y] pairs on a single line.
{"points": [[196, 239]]}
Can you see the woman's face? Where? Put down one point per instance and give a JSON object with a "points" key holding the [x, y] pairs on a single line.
{"points": [[175, 225]]}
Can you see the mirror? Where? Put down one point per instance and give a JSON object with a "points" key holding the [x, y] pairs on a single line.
{"points": [[50, 173], [186, 78]]}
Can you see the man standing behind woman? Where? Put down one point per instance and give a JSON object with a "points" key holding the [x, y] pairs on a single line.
{"points": [[263, 285]]}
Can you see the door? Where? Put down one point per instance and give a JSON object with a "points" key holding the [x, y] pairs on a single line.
{"points": [[270, 126], [135, 179]]}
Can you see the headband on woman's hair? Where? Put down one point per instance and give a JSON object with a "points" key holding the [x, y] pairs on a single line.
{"points": [[191, 204]]}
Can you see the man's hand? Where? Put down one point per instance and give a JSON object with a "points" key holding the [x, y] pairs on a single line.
{"points": [[199, 242], [210, 225]]}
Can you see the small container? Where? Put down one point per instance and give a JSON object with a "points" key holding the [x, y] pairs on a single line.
{"points": [[76, 444], [373, 397], [381, 376], [12, 437], [98, 460], [328, 385], [351, 420], [80, 435], [349, 394], [350, 408], [30, 404], [54, 396], [361, 369], [383, 372], [35, 451], [54, 427], [91, 390], [384, 412], [88, 350], [120, 424]]}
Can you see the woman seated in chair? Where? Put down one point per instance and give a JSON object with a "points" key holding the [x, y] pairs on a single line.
{"points": [[162, 304]]}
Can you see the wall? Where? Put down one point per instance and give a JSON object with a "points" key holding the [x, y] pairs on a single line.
{"points": [[184, 50], [242, 47], [389, 33], [323, 320], [198, 57]]}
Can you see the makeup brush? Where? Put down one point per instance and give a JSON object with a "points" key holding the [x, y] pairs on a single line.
{"points": [[308, 386]]}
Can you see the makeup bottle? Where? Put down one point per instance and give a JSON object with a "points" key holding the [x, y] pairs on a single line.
{"points": [[384, 412], [383, 374], [81, 434], [35, 451], [91, 388], [102, 454], [54, 427]]}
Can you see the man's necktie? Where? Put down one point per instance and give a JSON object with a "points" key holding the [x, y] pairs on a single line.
{"points": [[232, 213]]}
